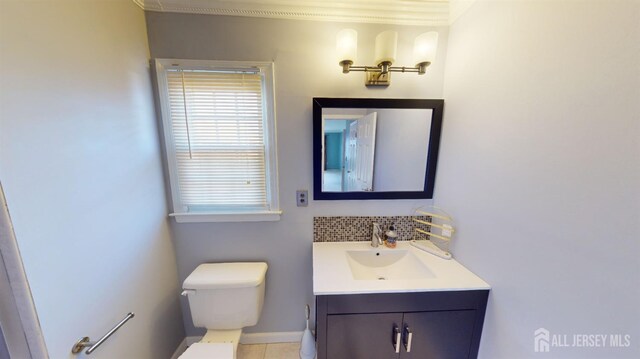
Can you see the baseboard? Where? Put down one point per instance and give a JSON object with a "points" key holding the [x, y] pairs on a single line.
{"points": [[274, 337], [191, 340], [180, 349], [259, 338]]}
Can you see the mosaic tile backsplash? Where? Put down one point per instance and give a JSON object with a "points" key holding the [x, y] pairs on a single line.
{"points": [[352, 228]]}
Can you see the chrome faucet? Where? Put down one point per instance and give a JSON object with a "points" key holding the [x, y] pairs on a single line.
{"points": [[376, 236]]}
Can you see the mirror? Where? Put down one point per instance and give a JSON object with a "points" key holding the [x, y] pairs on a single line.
{"points": [[375, 148]]}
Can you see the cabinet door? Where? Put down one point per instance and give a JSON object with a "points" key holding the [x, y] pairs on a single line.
{"points": [[438, 335], [362, 336]]}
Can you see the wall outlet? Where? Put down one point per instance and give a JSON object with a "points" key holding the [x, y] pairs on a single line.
{"points": [[302, 198]]}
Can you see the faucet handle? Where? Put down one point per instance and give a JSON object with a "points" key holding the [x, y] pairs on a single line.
{"points": [[376, 235]]}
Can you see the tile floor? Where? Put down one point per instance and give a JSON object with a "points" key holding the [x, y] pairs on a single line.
{"points": [[269, 351]]}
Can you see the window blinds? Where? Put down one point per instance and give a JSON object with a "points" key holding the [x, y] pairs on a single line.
{"points": [[217, 125]]}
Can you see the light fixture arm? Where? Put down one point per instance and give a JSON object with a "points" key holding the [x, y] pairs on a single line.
{"points": [[420, 69], [379, 75]]}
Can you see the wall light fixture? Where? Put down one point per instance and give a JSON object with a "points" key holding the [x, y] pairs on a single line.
{"points": [[424, 52]]}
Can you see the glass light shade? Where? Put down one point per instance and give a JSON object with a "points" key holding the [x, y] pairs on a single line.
{"points": [[424, 49], [386, 46], [347, 45]]}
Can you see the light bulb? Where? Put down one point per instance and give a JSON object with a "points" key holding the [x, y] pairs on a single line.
{"points": [[424, 49], [347, 45], [386, 46]]}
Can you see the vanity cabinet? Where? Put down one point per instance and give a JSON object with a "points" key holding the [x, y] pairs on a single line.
{"points": [[424, 325]]}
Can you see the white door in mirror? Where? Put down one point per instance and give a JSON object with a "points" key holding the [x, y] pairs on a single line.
{"points": [[360, 153]]}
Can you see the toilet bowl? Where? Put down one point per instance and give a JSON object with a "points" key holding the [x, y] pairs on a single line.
{"points": [[224, 298]]}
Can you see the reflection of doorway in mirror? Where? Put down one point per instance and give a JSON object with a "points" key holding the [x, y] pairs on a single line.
{"points": [[348, 147], [333, 144], [333, 157]]}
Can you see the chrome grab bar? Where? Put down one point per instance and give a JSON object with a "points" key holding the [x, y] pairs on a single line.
{"points": [[86, 341]]}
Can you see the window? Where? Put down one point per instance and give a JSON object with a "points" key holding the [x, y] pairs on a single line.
{"points": [[219, 134]]}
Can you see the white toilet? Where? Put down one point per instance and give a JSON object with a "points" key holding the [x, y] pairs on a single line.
{"points": [[224, 298]]}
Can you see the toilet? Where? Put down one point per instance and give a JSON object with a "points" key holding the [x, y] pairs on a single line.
{"points": [[223, 298]]}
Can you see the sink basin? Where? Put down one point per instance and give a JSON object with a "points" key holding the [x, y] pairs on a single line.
{"points": [[396, 264], [357, 268]]}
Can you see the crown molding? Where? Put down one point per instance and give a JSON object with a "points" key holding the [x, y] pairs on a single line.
{"points": [[140, 3], [457, 8], [399, 12]]}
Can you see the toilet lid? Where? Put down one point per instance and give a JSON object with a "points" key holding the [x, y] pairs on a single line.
{"points": [[209, 351], [226, 275]]}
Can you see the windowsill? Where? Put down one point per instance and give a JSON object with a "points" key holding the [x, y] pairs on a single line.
{"points": [[202, 217]]}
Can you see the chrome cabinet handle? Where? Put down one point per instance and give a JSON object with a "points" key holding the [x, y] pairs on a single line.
{"points": [[396, 338], [407, 338]]}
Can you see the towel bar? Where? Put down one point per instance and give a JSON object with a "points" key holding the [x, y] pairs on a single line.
{"points": [[86, 341]]}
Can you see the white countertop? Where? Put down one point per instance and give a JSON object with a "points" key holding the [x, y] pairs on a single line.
{"points": [[332, 273]]}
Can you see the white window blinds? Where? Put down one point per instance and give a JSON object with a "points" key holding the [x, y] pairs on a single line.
{"points": [[217, 120]]}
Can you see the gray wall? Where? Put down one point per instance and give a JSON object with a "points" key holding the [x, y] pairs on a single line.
{"points": [[4, 352], [80, 164], [305, 67], [541, 161], [402, 139], [11, 329]]}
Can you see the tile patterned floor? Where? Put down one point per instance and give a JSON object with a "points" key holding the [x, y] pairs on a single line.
{"points": [[269, 351]]}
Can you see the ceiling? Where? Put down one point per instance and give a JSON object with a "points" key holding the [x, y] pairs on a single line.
{"points": [[402, 12]]}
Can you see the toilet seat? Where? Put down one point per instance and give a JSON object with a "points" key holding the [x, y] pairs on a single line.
{"points": [[209, 351]]}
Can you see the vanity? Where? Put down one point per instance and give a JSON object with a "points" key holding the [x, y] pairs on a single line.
{"points": [[394, 303], [382, 303]]}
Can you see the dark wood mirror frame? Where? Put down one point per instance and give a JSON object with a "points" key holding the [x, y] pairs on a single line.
{"points": [[436, 106]]}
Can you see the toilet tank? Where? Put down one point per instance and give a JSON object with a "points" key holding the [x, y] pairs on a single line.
{"points": [[225, 296]]}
